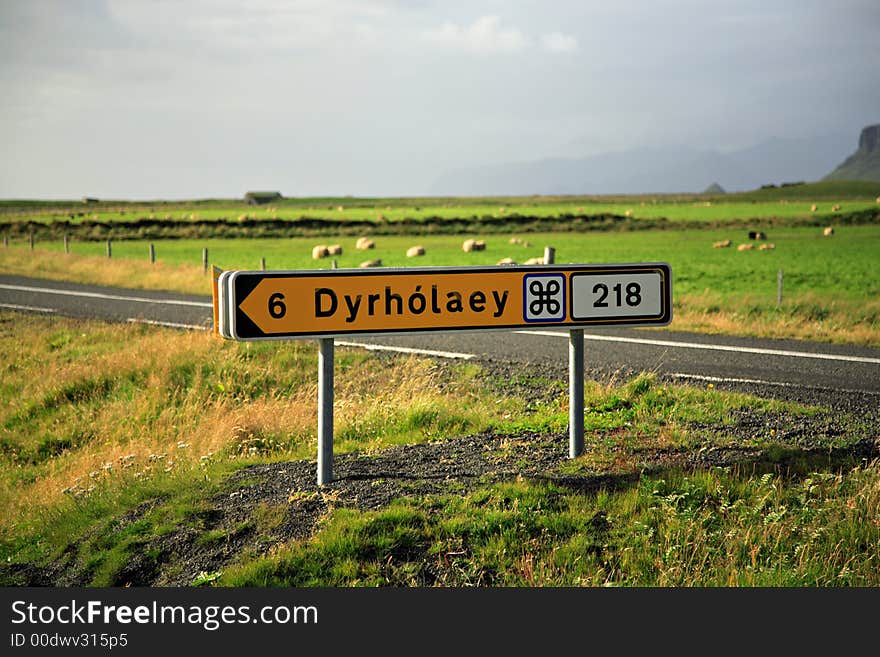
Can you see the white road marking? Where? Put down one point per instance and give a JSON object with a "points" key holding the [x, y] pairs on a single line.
{"points": [[154, 322], [99, 295], [762, 382], [14, 306], [405, 350], [713, 347]]}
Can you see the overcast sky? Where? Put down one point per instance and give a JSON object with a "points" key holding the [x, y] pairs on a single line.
{"points": [[155, 99]]}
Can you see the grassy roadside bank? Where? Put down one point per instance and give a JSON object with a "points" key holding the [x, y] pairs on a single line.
{"points": [[158, 457]]}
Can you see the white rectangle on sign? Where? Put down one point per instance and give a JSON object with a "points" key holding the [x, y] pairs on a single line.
{"points": [[605, 295]]}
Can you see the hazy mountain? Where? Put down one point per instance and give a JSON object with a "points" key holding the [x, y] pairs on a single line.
{"points": [[864, 164], [653, 170]]}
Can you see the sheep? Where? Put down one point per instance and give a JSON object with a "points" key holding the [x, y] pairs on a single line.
{"points": [[334, 249], [722, 244], [757, 235], [320, 251], [365, 243], [370, 263], [413, 251], [534, 261], [767, 247], [828, 232], [835, 207], [745, 247], [814, 207], [473, 245], [506, 261]]}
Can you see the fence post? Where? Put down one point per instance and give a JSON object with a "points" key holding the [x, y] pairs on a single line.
{"points": [[6, 241], [109, 249], [549, 255], [152, 253], [263, 264], [31, 240], [205, 259]]}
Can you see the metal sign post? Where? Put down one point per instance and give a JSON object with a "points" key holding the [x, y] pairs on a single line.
{"points": [[575, 392], [325, 304], [325, 410]]}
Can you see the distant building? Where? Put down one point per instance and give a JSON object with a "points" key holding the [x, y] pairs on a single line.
{"points": [[260, 198]]}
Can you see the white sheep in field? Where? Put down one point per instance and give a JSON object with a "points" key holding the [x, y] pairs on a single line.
{"points": [[365, 243], [534, 261], [722, 244], [370, 263], [767, 247], [745, 247], [506, 261], [320, 251], [334, 249], [473, 245], [828, 232], [414, 251]]}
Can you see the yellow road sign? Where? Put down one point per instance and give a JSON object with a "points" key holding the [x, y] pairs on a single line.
{"points": [[322, 303]]}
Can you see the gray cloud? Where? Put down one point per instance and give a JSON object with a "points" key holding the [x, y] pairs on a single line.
{"points": [[127, 98]]}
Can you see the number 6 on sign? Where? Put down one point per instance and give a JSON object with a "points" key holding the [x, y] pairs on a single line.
{"points": [[277, 309]]}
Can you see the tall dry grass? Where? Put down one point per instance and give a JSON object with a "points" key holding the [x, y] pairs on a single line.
{"points": [[95, 270], [90, 404]]}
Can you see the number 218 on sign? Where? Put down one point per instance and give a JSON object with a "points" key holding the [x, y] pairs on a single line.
{"points": [[610, 295]]}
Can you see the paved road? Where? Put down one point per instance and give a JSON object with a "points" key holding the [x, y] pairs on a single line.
{"points": [[729, 361]]}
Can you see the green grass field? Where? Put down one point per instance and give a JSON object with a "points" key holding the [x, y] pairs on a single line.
{"points": [[840, 266], [788, 202], [831, 285]]}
